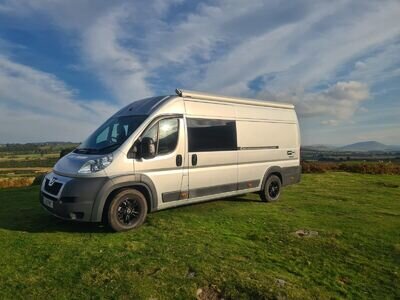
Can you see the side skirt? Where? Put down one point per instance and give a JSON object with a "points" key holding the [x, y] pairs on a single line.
{"points": [[208, 191]]}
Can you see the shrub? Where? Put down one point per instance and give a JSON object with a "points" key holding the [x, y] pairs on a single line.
{"points": [[318, 167], [15, 182]]}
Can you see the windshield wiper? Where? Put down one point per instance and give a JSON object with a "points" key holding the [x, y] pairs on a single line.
{"points": [[109, 146], [85, 150]]}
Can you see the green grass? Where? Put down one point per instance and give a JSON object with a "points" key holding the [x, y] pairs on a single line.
{"points": [[238, 248]]}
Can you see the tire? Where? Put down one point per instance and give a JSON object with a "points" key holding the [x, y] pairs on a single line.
{"points": [[272, 189], [127, 210]]}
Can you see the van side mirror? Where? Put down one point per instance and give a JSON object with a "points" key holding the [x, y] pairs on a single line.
{"points": [[147, 148], [143, 148]]}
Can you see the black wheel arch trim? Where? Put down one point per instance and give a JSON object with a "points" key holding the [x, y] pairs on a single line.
{"points": [[271, 170], [288, 175], [119, 182]]}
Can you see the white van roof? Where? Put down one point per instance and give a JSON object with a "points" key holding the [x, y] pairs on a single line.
{"points": [[228, 99]]}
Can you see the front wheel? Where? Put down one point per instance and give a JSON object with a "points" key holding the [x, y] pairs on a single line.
{"points": [[127, 210], [272, 189]]}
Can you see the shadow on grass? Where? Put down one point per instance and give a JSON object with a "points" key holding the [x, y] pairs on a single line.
{"points": [[20, 211], [241, 199], [40, 222]]}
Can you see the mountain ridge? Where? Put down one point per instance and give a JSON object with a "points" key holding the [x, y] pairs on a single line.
{"points": [[364, 146]]}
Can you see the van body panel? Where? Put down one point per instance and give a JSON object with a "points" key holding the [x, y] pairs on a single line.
{"points": [[199, 108], [265, 113], [213, 168]]}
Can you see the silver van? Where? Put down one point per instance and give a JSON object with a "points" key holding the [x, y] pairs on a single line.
{"points": [[167, 151]]}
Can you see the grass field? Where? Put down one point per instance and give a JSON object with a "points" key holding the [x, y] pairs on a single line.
{"points": [[237, 248]]}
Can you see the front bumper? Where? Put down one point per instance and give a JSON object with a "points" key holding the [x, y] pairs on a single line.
{"points": [[73, 198]]}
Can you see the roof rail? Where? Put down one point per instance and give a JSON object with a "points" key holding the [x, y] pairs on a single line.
{"points": [[228, 99]]}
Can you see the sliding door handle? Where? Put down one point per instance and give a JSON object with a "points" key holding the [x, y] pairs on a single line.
{"points": [[194, 159], [179, 160]]}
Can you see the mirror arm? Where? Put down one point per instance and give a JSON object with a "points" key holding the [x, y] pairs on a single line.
{"points": [[133, 152]]}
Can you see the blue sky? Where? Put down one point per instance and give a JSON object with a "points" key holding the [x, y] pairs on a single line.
{"points": [[65, 66]]}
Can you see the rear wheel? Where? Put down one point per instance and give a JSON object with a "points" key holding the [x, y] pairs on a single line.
{"points": [[127, 210], [272, 189]]}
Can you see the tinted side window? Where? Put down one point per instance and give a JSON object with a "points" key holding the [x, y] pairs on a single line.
{"points": [[211, 135]]}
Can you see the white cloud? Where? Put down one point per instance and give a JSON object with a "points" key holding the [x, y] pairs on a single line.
{"points": [[36, 106], [339, 101], [329, 122], [359, 65], [379, 67], [119, 68]]}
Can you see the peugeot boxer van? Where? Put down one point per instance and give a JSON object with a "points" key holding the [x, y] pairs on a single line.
{"points": [[168, 151]]}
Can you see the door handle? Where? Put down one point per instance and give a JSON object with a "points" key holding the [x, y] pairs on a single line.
{"points": [[194, 159], [179, 160]]}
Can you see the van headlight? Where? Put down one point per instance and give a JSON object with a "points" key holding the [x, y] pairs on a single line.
{"points": [[96, 165]]}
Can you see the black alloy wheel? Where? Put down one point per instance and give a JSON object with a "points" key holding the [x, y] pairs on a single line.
{"points": [[127, 210], [272, 189]]}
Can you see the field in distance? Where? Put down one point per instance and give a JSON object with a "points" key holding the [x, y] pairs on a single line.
{"points": [[334, 235], [21, 163]]}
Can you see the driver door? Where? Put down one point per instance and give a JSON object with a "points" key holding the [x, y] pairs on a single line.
{"points": [[167, 169]]}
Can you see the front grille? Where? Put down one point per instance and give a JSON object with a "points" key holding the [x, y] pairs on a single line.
{"points": [[52, 189]]}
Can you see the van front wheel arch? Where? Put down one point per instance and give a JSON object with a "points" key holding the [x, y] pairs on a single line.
{"points": [[272, 189], [127, 210]]}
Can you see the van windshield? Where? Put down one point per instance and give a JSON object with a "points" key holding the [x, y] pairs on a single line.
{"points": [[109, 136]]}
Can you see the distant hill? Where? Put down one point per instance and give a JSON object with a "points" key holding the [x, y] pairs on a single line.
{"points": [[368, 146], [318, 147]]}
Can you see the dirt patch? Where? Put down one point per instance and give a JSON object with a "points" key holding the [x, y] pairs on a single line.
{"points": [[211, 292], [280, 282], [191, 273], [344, 280], [305, 233]]}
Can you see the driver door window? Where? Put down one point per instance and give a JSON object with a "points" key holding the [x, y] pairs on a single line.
{"points": [[165, 135]]}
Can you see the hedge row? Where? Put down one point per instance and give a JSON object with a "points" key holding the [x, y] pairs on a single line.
{"points": [[353, 167]]}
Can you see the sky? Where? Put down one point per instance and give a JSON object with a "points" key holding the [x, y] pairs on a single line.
{"points": [[66, 66]]}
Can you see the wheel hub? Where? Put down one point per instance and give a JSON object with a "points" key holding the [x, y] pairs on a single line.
{"points": [[273, 189], [128, 211]]}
